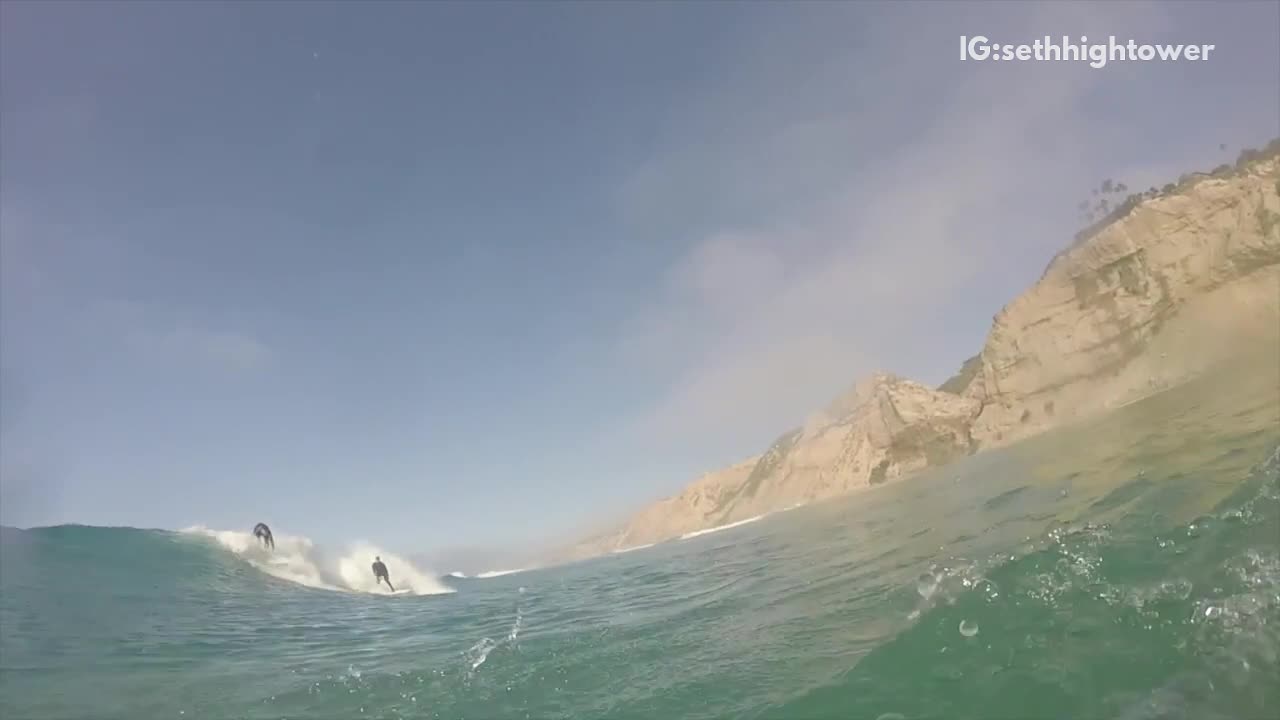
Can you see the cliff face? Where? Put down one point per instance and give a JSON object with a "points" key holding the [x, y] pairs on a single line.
{"points": [[884, 428], [700, 505], [1150, 300], [1178, 284]]}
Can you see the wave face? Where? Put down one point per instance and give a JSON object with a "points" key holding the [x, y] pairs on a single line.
{"points": [[1136, 619], [299, 560], [1127, 569]]}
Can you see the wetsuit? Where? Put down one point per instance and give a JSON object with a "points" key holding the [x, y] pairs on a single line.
{"points": [[380, 574], [263, 533]]}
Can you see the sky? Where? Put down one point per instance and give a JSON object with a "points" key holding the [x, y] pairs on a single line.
{"points": [[437, 274]]}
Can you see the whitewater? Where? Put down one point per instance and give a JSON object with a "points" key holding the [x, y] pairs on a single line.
{"points": [[299, 560], [720, 528]]}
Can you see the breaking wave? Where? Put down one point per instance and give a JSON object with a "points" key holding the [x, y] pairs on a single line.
{"points": [[499, 573], [718, 528], [299, 560]]}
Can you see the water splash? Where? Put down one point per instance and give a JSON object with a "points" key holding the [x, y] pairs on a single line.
{"points": [[299, 560], [479, 652]]}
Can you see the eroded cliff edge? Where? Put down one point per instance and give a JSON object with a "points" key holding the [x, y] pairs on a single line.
{"points": [[1168, 287], [1148, 302]]}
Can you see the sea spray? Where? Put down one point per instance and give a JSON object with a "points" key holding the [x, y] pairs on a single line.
{"points": [[299, 560]]}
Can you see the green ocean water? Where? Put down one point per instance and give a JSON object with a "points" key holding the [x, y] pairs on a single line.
{"points": [[1128, 568]]}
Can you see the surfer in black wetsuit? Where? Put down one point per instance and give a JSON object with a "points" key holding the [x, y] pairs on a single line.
{"points": [[263, 533], [380, 573]]}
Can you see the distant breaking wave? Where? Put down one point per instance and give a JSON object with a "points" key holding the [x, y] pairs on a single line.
{"points": [[499, 573], [718, 528], [299, 560], [633, 548], [458, 574]]}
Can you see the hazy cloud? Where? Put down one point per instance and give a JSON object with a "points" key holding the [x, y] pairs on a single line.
{"points": [[832, 257]]}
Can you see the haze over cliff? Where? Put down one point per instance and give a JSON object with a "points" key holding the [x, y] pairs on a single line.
{"points": [[1168, 286]]}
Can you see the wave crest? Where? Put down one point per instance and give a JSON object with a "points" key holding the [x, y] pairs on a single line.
{"points": [[299, 560], [718, 528]]}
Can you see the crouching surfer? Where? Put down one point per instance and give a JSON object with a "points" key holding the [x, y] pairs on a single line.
{"points": [[380, 573], [263, 533]]}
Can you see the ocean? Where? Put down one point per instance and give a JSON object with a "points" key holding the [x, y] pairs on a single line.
{"points": [[1128, 567]]}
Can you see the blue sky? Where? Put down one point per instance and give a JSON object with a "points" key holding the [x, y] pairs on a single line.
{"points": [[436, 274]]}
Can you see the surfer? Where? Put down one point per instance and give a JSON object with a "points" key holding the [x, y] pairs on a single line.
{"points": [[380, 573], [263, 533]]}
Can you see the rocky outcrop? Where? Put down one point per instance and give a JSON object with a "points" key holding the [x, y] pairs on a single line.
{"points": [[1166, 289], [698, 506], [1082, 339], [884, 428]]}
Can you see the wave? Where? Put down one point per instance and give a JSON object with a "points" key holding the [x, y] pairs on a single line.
{"points": [[499, 573], [633, 548], [1200, 598], [459, 575], [299, 560], [718, 528]]}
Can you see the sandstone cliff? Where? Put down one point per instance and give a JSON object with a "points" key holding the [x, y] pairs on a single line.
{"points": [[1153, 298], [884, 428], [1166, 288], [698, 506]]}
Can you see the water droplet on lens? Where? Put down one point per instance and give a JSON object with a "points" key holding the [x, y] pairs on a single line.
{"points": [[968, 629]]}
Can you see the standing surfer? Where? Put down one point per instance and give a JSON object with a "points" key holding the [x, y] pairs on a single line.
{"points": [[263, 533], [380, 573]]}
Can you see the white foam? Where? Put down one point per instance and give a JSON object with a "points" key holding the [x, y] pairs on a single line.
{"points": [[500, 573], [480, 652], [632, 548], [297, 559], [718, 528]]}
